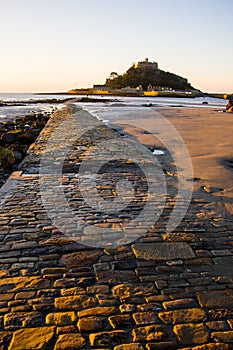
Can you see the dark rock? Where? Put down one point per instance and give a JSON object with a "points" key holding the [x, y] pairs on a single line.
{"points": [[229, 106], [10, 136], [26, 138], [15, 137], [18, 156]]}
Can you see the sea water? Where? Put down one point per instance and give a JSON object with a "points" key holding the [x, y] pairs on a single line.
{"points": [[101, 110]]}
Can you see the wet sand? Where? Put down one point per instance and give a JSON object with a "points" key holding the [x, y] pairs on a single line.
{"points": [[207, 133]]}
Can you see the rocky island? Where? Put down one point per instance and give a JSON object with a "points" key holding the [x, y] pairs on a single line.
{"points": [[143, 79]]}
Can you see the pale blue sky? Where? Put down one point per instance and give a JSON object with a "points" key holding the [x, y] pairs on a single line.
{"points": [[56, 45]]}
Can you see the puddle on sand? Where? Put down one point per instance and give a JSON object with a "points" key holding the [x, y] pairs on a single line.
{"points": [[158, 152]]}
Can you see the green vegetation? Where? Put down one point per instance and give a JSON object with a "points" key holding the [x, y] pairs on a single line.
{"points": [[6, 157], [145, 77]]}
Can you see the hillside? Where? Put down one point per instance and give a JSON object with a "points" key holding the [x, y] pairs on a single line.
{"points": [[147, 74]]}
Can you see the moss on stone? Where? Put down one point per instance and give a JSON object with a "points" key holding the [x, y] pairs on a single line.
{"points": [[6, 157]]}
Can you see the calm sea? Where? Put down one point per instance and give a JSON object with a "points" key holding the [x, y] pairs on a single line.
{"points": [[9, 113]]}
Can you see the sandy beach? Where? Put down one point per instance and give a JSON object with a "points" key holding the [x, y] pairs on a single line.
{"points": [[207, 133]]}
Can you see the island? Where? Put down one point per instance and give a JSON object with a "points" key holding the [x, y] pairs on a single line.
{"points": [[143, 78]]}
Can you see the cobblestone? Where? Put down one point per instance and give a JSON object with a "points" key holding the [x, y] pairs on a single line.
{"points": [[162, 291]]}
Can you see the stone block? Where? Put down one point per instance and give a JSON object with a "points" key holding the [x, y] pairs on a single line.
{"points": [[191, 333], [97, 311], [76, 302], [60, 318], [179, 304], [32, 338], [182, 316], [69, 341], [16, 320], [92, 323], [148, 333], [143, 318], [226, 337], [130, 346], [163, 251], [216, 299], [107, 339], [119, 321]]}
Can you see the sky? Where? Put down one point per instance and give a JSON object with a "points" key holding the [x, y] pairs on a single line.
{"points": [[57, 45]]}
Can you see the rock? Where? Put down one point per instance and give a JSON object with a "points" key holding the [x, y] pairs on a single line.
{"points": [[17, 136], [119, 321], [25, 295], [32, 338], [53, 271], [163, 251], [131, 346], [218, 299], [148, 333], [5, 338], [229, 106], [60, 318], [6, 157], [115, 277], [10, 136], [22, 319], [92, 323], [182, 316], [94, 311], [126, 308], [71, 291], [217, 325], [226, 337], [98, 289], [143, 318], [192, 333], [180, 237], [26, 138], [76, 302], [22, 282], [129, 290], [168, 345], [179, 304], [211, 346], [107, 339], [67, 283], [83, 258], [70, 341], [229, 109], [18, 156]]}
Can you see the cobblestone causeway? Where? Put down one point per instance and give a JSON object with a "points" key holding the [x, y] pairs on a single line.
{"points": [[161, 291]]}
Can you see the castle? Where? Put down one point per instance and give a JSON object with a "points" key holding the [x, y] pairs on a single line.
{"points": [[145, 64]]}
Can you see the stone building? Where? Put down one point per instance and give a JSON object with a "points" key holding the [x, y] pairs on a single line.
{"points": [[145, 64]]}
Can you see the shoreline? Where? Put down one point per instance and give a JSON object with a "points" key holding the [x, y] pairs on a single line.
{"points": [[207, 134], [16, 137]]}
